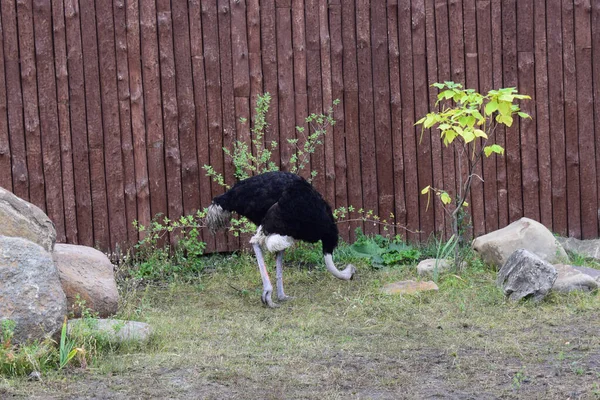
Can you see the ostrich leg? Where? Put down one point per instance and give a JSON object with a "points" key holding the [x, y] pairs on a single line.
{"points": [[280, 295], [267, 287]]}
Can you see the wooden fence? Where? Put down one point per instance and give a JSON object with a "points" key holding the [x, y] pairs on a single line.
{"points": [[109, 109]]}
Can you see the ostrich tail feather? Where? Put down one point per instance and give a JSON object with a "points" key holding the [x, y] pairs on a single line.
{"points": [[217, 218]]}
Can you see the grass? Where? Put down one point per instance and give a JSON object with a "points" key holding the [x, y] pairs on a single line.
{"points": [[213, 339]]}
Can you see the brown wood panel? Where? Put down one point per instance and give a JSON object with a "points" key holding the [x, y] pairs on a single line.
{"points": [[409, 136], [350, 70], [542, 113], [210, 38], [186, 108], [94, 123], [484, 49], [30, 104], [337, 91], [300, 79], [254, 53], [239, 49], [124, 97], [585, 110], [513, 157], [169, 111], [557, 118], [202, 138], [596, 79], [79, 135], [155, 140], [138, 118], [381, 106], [110, 125], [16, 131], [571, 121], [48, 114], [421, 93], [64, 124], [285, 80], [5, 154], [366, 119], [327, 142], [436, 144]]}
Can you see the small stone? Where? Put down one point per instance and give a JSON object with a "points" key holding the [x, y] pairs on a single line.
{"points": [[116, 330], [428, 266], [526, 275], [409, 287], [35, 376], [570, 279], [594, 273]]}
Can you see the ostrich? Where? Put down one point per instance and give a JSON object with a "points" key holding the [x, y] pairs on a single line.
{"points": [[285, 207]]}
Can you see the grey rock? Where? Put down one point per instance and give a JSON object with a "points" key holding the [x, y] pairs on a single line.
{"points": [[116, 330], [594, 273], [30, 291], [87, 272], [570, 279], [526, 275], [588, 248], [497, 246], [428, 266], [19, 218]]}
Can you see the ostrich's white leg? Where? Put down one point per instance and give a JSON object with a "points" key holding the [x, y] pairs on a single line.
{"points": [[267, 287], [280, 294]]}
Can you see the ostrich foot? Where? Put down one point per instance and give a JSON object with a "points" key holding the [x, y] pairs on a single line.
{"points": [[266, 299], [283, 297]]}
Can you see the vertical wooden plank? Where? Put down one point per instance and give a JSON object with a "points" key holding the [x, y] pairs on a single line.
{"points": [[513, 158], [79, 127], [94, 123], [542, 116], [254, 53], [442, 30], [227, 96], [300, 79], [596, 79], [484, 48], [124, 97], [30, 104], [5, 154], [285, 81], [500, 136], [571, 121], [16, 131], [525, 61], [472, 81], [48, 113], [213, 97], [64, 124], [314, 85], [269, 66], [186, 107], [138, 126], [169, 111], [110, 125], [350, 68], [424, 161], [381, 104], [396, 114], [585, 109], [152, 101], [328, 150], [436, 143], [202, 138], [409, 137], [337, 91], [557, 118], [366, 112]]}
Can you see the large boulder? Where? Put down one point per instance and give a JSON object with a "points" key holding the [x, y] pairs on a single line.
{"points": [[570, 279], [30, 290], [497, 246], [88, 274], [19, 218], [525, 275], [588, 248]]}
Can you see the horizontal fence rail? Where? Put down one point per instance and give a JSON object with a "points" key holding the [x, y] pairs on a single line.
{"points": [[109, 109]]}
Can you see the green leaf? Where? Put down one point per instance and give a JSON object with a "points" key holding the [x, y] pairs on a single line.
{"points": [[449, 136], [504, 108], [426, 189], [480, 133], [429, 121], [438, 85], [468, 135], [488, 150], [523, 115], [445, 197], [420, 121], [506, 97], [491, 107]]}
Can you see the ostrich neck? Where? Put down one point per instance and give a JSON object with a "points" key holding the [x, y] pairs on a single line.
{"points": [[345, 274]]}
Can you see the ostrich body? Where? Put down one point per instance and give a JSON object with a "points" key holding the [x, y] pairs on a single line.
{"points": [[285, 207]]}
